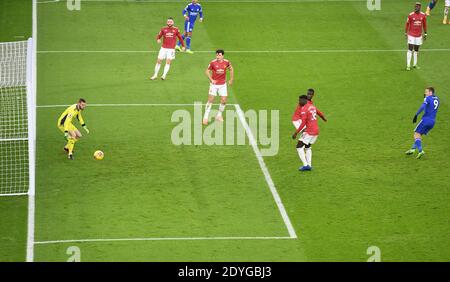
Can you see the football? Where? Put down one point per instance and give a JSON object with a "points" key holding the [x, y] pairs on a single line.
{"points": [[98, 155]]}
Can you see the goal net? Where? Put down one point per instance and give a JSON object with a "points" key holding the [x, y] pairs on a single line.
{"points": [[17, 118]]}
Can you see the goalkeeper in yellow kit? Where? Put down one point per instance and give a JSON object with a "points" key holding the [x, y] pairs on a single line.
{"points": [[71, 133]]}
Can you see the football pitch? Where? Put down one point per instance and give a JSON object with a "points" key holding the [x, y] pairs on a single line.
{"points": [[153, 200]]}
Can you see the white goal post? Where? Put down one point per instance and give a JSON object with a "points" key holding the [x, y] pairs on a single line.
{"points": [[17, 118]]}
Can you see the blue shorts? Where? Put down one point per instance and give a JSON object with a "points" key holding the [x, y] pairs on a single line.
{"points": [[424, 126], [188, 26]]}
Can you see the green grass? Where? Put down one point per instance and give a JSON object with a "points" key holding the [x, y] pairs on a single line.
{"points": [[363, 191]]}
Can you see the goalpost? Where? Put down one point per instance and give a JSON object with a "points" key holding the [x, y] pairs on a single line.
{"points": [[17, 118]]}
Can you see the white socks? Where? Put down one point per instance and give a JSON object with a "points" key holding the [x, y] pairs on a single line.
{"points": [[207, 110], [157, 67], [408, 58], [308, 156], [221, 109], [415, 57], [166, 69], [302, 155]]}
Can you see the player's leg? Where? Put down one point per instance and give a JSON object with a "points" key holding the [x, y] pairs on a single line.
{"points": [[446, 9], [166, 68], [430, 7], [161, 56], [208, 106], [409, 53], [308, 151], [302, 154], [415, 55], [170, 56], [188, 42], [418, 144], [178, 47], [71, 143], [223, 101]]}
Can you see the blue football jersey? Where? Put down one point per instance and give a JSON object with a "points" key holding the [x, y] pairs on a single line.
{"points": [[431, 107], [193, 10]]}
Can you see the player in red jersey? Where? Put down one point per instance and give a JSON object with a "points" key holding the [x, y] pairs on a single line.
{"points": [[218, 84], [169, 34], [415, 23], [310, 133], [296, 117]]}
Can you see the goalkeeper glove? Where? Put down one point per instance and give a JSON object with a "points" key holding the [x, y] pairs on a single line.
{"points": [[415, 119], [86, 129], [66, 135]]}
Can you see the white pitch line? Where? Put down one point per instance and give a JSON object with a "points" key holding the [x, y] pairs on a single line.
{"points": [[13, 194], [14, 139], [32, 189], [126, 105], [209, 2], [266, 173], [244, 51], [158, 239]]}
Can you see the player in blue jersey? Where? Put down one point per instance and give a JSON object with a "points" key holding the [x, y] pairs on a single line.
{"points": [[431, 6], [190, 13], [430, 107]]}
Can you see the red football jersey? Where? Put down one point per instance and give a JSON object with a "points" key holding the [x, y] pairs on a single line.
{"points": [[415, 23], [297, 114], [219, 70], [170, 35], [309, 119]]}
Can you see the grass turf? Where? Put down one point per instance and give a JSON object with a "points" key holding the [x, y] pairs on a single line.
{"points": [[362, 192]]}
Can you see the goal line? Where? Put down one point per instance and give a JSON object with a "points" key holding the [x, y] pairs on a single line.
{"points": [[157, 239]]}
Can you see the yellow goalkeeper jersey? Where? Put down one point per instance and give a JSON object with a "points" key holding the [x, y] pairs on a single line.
{"points": [[65, 120]]}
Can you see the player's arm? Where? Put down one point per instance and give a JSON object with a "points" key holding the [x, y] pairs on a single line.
{"points": [[201, 14], [185, 10], [208, 74], [180, 39], [68, 122], [294, 136], [425, 28], [421, 109], [321, 115], [407, 27], [81, 120], [158, 37], [230, 82], [300, 128]]}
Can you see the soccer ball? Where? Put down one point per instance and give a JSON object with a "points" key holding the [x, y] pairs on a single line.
{"points": [[98, 155]]}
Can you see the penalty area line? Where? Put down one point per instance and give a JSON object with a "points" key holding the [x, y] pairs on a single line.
{"points": [[266, 173], [158, 239]]}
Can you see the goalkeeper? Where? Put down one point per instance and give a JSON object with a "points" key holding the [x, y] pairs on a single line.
{"points": [[71, 133]]}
